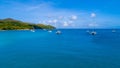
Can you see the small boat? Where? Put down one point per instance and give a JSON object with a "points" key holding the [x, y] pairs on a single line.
{"points": [[44, 29], [113, 31], [32, 30], [49, 31], [93, 33], [58, 32]]}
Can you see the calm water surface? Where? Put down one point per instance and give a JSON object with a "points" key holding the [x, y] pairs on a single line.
{"points": [[74, 48]]}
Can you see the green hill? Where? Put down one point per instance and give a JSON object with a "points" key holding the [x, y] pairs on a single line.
{"points": [[11, 24]]}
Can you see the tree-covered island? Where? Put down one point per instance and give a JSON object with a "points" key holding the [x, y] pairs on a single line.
{"points": [[12, 24]]}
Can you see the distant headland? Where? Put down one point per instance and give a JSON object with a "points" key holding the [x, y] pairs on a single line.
{"points": [[12, 24]]}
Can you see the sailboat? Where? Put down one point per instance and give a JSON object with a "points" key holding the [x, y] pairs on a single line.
{"points": [[93, 15], [32, 30], [93, 33], [58, 32], [113, 30], [49, 30], [44, 29]]}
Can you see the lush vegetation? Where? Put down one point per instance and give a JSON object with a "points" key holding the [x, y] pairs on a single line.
{"points": [[11, 24]]}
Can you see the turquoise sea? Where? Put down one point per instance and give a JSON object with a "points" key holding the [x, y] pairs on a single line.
{"points": [[74, 48]]}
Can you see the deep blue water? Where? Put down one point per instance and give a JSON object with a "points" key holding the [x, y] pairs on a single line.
{"points": [[74, 48]]}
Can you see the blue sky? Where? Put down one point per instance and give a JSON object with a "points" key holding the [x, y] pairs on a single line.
{"points": [[64, 13]]}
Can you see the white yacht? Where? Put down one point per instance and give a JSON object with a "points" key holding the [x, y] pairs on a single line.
{"points": [[44, 29], [58, 32], [49, 31], [93, 33], [113, 31], [32, 30]]}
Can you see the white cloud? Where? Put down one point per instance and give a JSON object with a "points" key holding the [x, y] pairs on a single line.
{"points": [[42, 22], [47, 13], [93, 15], [32, 8], [61, 17], [49, 21], [55, 21], [65, 24], [93, 24], [70, 22], [74, 17]]}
